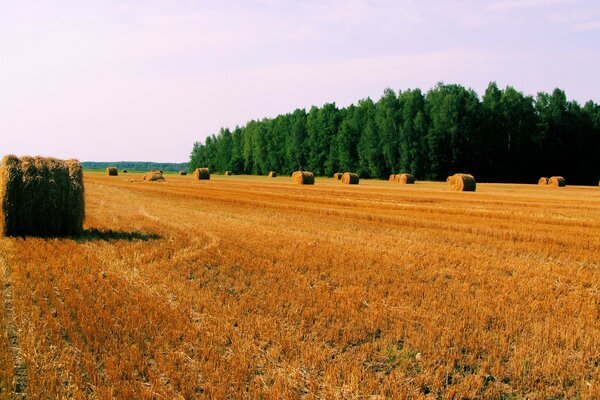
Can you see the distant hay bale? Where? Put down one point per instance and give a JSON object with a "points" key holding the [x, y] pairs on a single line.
{"points": [[202, 173], [272, 174], [161, 171], [182, 172], [303, 178], [405, 179], [112, 171], [462, 182], [227, 173], [154, 176], [124, 171], [337, 176], [543, 181], [350, 178], [41, 197], [392, 178], [557, 181]]}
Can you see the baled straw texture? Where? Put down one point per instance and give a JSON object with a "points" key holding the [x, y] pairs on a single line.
{"points": [[405, 179], [227, 173], [350, 178], [462, 182], [303, 178], [41, 197], [202, 173], [393, 178], [543, 181], [557, 181], [154, 176], [337, 176], [182, 172], [272, 174], [112, 171]]}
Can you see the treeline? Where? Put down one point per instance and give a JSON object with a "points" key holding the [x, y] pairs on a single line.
{"points": [[505, 136], [136, 165]]}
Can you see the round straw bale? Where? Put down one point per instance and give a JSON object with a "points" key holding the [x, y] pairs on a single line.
{"points": [[112, 171], [227, 173], [392, 178], [272, 174], [405, 179], [543, 181], [303, 178], [350, 178], [337, 176], [154, 176], [182, 172], [202, 173], [124, 171], [462, 182], [41, 197], [557, 181]]}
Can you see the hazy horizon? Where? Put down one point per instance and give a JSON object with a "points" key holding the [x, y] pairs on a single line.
{"points": [[106, 81]]}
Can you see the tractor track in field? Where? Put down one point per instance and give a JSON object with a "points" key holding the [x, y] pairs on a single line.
{"points": [[12, 332]]}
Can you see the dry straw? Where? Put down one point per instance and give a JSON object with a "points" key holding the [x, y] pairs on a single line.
{"points": [[202, 173], [405, 179], [392, 178], [557, 181], [182, 172], [303, 178], [154, 176], [227, 173], [41, 197], [112, 171], [543, 181], [272, 174], [462, 182], [337, 176], [350, 178]]}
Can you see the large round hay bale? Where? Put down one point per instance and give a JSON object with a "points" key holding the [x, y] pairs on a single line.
{"points": [[112, 171], [405, 179], [557, 181], [124, 171], [272, 174], [202, 173], [154, 176], [337, 176], [41, 197], [182, 172], [303, 178], [543, 181], [392, 178], [227, 173], [462, 182], [350, 178]]}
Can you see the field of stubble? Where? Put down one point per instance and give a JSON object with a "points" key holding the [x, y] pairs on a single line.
{"points": [[249, 287]]}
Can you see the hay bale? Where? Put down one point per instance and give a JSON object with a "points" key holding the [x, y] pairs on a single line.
{"points": [[161, 171], [272, 174], [557, 181], [112, 171], [543, 181], [154, 176], [227, 173], [405, 179], [337, 176], [350, 178], [182, 172], [124, 171], [462, 182], [41, 197], [303, 178], [202, 173], [392, 178]]}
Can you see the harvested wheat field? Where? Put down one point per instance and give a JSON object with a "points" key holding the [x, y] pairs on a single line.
{"points": [[246, 287]]}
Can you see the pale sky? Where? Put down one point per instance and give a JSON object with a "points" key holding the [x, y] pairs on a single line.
{"points": [[142, 80]]}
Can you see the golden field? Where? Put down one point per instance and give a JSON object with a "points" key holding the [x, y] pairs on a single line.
{"points": [[253, 287]]}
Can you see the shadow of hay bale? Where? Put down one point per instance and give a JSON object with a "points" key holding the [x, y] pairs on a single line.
{"points": [[91, 235]]}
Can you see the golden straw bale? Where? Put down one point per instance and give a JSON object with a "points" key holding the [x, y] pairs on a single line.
{"points": [[557, 181], [227, 173], [462, 182], [543, 181], [350, 178], [154, 176], [182, 172], [392, 178], [272, 174], [112, 171], [405, 179], [303, 178], [41, 197], [337, 176], [202, 173]]}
